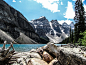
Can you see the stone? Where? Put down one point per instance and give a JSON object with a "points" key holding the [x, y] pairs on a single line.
{"points": [[47, 57], [54, 62], [52, 49], [71, 56], [25, 39], [35, 61], [33, 50], [4, 36], [84, 54], [27, 55], [67, 55], [40, 51], [30, 62]]}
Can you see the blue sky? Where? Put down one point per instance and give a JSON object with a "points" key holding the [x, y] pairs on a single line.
{"points": [[61, 10]]}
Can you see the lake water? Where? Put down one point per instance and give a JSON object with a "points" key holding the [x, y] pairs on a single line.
{"points": [[25, 47]]}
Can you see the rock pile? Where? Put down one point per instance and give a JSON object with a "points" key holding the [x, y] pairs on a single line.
{"points": [[51, 55]]}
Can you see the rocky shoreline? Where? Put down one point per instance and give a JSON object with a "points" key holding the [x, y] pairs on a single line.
{"points": [[50, 54]]}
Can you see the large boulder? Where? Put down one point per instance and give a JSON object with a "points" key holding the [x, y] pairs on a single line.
{"points": [[72, 56], [52, 49], [47, 57]]}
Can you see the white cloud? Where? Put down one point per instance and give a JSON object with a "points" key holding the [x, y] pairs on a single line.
{"points": [[69, 14], [82, 0], [61, 3], [49, 4], [14, 1], [67, 21], [85, 7], [20, 1]]}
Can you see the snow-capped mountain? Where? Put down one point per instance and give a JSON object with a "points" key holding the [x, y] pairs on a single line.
{"points": [[41, 26], [52, 30]]}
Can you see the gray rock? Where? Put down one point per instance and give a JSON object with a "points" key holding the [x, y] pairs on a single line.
{"points": [[41, 27], [13, 22], [25, 39], [27, 55], [33, 50], [35, 61], [5, 36], [71, 56], [54, 62], [23, 57], [52, 49], [47, 57]]}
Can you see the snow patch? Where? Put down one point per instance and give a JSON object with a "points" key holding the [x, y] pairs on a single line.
{"points": [[35, 26], [53, 29], [41, 17]]}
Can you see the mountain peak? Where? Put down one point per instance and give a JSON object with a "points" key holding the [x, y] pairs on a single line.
{"points": [[64, 23], [42, 17], [53, 20], [72, 23]]}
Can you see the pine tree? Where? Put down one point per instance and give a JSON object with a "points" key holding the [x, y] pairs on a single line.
{"points": [[79, 19], [75, 34], [70, 35]]}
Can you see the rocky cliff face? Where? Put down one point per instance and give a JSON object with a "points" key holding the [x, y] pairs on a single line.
{"points": [[13, 23], [41, 26], [52, 30]]}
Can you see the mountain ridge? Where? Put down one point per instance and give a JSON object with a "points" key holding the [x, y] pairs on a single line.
{"points": [[53, 30]]}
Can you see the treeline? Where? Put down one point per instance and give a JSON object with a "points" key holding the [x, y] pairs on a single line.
{"points": [[78, 36]]}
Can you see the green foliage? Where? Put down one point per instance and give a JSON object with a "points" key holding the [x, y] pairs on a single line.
{"points": [[75, 34], [82, 41], [65, 41], [70, 36], [43, 40]]}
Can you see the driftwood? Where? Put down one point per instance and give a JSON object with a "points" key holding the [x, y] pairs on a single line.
{"points": [[6, 53]]}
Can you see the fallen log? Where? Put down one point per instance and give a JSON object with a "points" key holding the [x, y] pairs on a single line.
{"points": [[6, 53]]}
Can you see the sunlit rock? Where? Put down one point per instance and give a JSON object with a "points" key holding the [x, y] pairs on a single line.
{"points": [[35, 61], [47, 57], [54, 62]]}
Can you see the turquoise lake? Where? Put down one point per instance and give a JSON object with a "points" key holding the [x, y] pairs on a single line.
{"points": [[25, 47]]}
